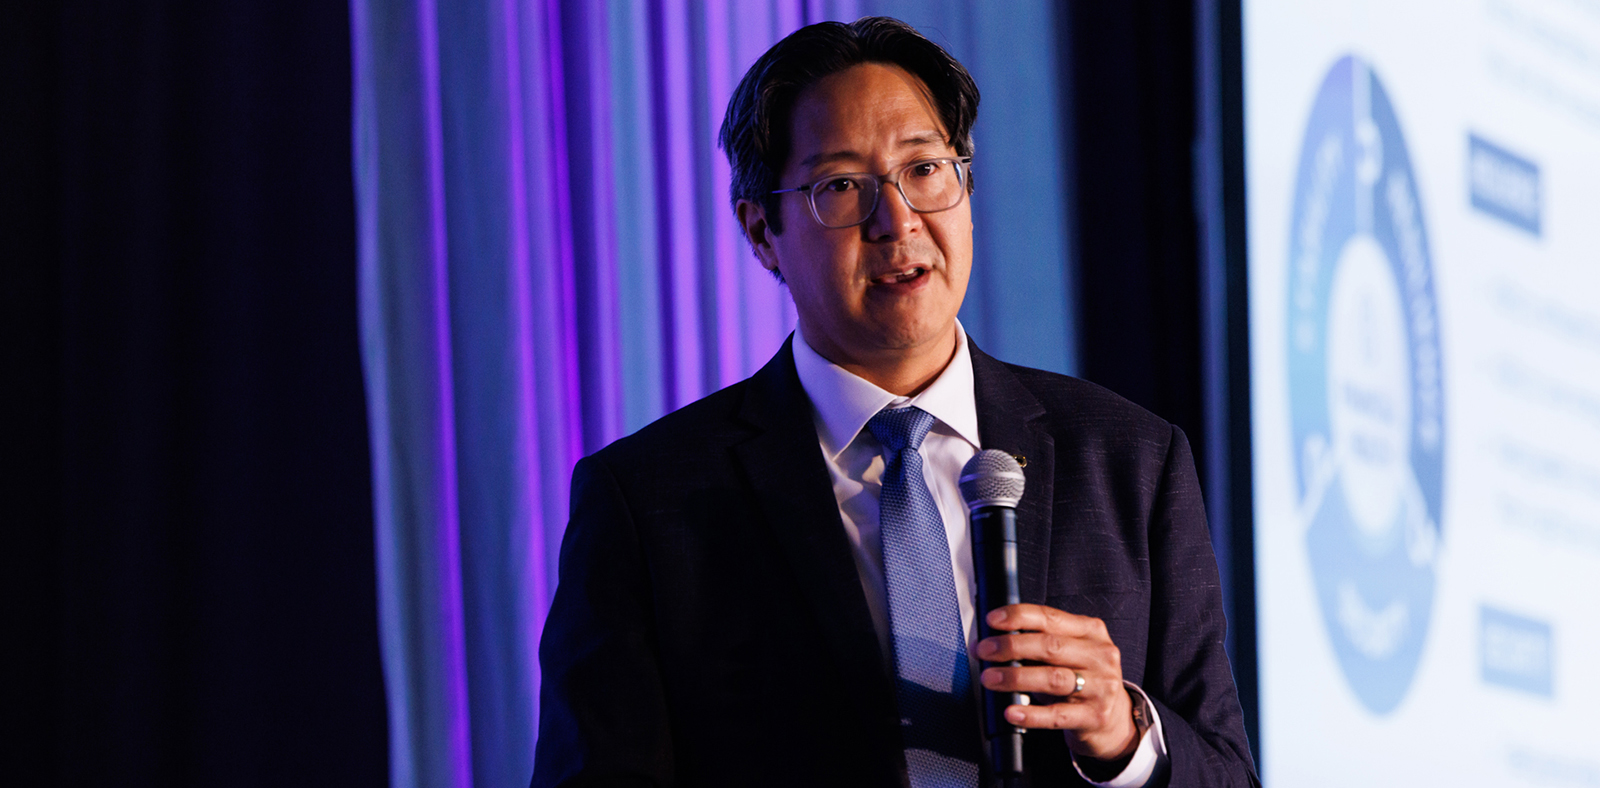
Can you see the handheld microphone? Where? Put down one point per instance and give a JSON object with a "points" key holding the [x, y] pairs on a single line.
{"points": [[991, 484]]}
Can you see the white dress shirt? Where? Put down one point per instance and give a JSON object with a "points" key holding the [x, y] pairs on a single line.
{"points": [[842, 404]]}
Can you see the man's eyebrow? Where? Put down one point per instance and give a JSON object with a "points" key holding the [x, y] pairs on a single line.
{"points": [[926, 138], [814, 159], [823, 158]]}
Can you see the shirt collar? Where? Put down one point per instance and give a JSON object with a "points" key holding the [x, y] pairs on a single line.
{"points": [[843, 403]]}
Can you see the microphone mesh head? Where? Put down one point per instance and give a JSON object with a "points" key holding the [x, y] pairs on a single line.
{"points": [[992, 478]]}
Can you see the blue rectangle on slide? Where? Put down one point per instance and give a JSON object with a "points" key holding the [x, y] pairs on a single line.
{"points": [[1516, 651], [1503, 184]]}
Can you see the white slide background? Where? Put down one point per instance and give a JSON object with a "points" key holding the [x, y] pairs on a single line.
{"points": [[1496, 582]]}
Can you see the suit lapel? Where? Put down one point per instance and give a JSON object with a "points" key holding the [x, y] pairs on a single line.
{"points": [[784, 466], [789, 479], [1006, 415]]}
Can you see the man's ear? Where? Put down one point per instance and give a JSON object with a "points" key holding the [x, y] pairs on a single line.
{"points": [[753, 218]]}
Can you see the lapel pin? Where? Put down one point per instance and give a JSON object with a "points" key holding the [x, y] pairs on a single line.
{"points": [[1021, 460]]}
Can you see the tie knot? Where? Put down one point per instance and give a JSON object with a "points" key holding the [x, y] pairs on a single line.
{"points": [[899, 429]]}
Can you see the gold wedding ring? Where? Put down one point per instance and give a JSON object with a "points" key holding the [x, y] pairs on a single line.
{"points": [[1077, 683]]}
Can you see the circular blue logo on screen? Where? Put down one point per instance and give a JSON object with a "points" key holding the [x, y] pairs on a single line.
{"points": [[1364, 385]]}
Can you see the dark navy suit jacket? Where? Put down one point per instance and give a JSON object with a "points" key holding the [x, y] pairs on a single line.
{"points": [[710, 628]]}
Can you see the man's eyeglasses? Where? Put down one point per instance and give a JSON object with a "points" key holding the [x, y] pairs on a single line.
{"points": [[848, 199]]}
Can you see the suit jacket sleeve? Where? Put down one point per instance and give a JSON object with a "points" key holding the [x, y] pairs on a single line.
{"points": [[1187, 673], [601, 683]]}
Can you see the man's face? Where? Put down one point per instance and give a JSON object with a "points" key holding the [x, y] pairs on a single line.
{"points": [[890, 287]]}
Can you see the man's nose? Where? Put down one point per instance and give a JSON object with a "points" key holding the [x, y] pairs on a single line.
{"points": [[892, 217]]}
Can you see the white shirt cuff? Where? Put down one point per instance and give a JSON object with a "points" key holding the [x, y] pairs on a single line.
{"points": [[1148, 759]]}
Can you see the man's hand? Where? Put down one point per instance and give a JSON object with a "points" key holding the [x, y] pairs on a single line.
{"points": [[1098, 719]]}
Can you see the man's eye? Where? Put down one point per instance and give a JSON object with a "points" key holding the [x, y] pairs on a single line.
{"points": [[923, 169], [839, 185]]}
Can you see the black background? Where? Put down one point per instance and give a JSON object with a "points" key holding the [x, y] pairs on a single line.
{"points": [[189, 585]]}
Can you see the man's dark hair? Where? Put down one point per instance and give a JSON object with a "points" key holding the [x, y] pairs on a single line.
{"points": [[755, 130]]}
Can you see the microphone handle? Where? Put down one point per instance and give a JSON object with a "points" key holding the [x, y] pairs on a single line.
{"points": [[994, 548]]}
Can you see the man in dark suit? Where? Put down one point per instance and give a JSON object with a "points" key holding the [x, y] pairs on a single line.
{"points": [[774, 585]]}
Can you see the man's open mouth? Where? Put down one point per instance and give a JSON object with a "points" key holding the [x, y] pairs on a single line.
{"points": [[899, 277]]}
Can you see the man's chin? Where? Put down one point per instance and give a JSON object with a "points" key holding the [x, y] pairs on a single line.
{"points": [[914, 337]]}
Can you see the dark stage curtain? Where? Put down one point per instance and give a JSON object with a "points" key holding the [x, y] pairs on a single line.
{"points": [[188, 546]]}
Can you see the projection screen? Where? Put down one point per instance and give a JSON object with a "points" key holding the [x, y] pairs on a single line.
{"points": [[1423, 208]]}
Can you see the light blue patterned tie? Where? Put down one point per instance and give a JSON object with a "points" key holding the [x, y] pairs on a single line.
{"points": [[938, 721]]}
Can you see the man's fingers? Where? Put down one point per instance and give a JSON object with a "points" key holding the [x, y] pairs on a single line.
{"points": [[1098, 718], [1099, 730], [1057, 716], [1045, 619], [1060, 682], [1047, 647]]}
